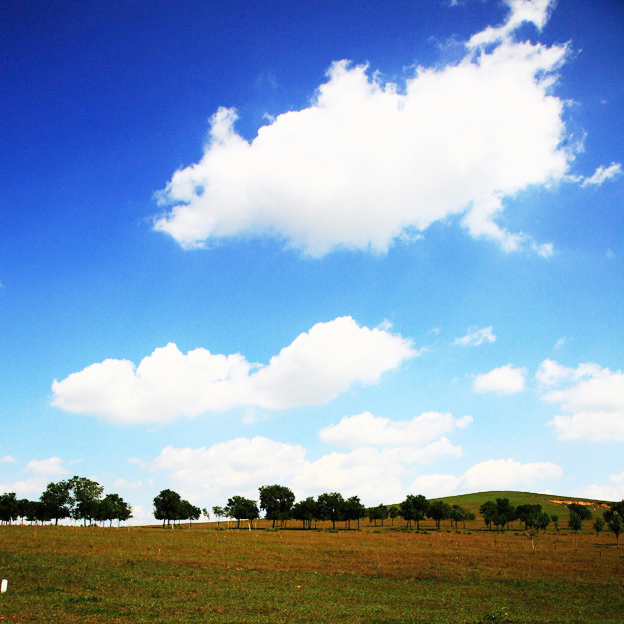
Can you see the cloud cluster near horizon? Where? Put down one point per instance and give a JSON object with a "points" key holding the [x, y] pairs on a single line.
{"points": [[374, 468], [314, 369], [371, 161], [593, 398]]}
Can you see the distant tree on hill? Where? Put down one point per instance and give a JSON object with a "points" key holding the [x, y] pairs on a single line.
{"points": [[414, 508], [166, 506], [219, 512], [277, 501], [56, 502], [306, 511], [458, 514], [575, 522], [377, 513], [112, 507], [615, 522], [505, 512], [85, 496], [330, 507], [393, 512], [578, 514], [598, 525], [242, 509], [354, 510], [543, 520], [555, 521], [529, 514], [9, 511], [438, 511], [489, 512]]}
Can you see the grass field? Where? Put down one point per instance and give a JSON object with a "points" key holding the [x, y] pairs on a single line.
{"points": [[151, 575]]}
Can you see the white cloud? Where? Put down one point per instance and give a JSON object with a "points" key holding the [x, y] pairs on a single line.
{"points": [[602, 174], [51, 467], [367, 162], [314, 369], [530, 11], [612, 491], [559, 343], [476, 337], [368, 430], [494, 474], [8, 459], [503, 380], [241, 465], [592, 396]]}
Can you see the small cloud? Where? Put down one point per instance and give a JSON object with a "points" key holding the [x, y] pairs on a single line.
{"points": [[8, 459], [476, 337], [52, 466], [503, 380], [559, 344], [610, 254], [602, 174]]}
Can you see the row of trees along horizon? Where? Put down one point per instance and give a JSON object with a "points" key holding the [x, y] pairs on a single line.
{"points": [[278, 503], [78, 498]]}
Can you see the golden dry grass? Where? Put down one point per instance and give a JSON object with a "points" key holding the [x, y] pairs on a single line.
{"points": [[199, 575]]}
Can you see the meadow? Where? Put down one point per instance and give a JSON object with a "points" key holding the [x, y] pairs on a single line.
{"points": [[204, 574]]}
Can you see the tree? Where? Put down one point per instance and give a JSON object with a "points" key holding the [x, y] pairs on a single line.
{"points": [[219, 512], [489, 512], [354, 510], [598, 525], [112, 507], [242, 509], [615, 522], [438, 511], [377, 513], [189, 512], [414, 508], [167, 506], [555, 521], [543, 520], [8, 508], [277, 501], [529, 514], [575, 522], [578, 513], [305, 510], [56, 501], [505, 512], [458, 514], [86, 494], [330, 507], [393, 512]]}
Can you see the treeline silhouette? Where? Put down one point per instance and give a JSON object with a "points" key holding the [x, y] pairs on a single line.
{"points": [[78, 498]]}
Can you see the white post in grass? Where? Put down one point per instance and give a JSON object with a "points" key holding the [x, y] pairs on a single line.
{"points": [[3, 586]]}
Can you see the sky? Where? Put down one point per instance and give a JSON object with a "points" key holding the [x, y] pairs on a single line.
{"points": [[374, 248]]}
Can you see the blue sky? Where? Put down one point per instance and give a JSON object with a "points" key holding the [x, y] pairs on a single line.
{"points": [[369, 249]]}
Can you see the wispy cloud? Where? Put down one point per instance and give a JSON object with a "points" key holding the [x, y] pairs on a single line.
{"points": [[476, 337], [602, 174]]}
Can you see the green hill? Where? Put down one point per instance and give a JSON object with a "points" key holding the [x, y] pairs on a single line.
{"points": [[550, 503]]}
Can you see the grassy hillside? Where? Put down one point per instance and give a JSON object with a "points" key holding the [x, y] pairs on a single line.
{"points": [[547, 501]]}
